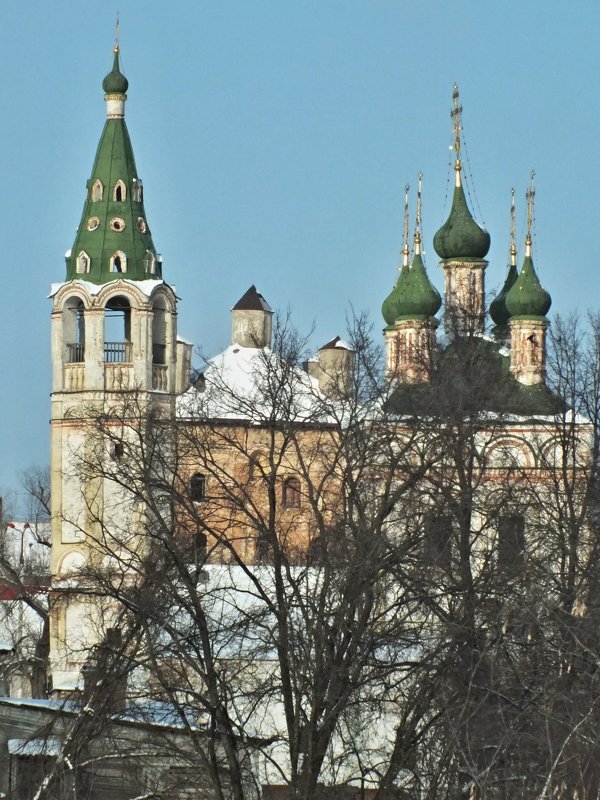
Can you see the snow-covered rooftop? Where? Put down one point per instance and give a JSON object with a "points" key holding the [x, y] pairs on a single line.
{"points": [[256, 385]]}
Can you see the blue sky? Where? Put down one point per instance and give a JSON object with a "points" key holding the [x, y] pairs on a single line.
{"points": [[274, 140]]}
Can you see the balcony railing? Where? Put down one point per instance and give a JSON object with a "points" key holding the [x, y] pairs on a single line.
{"points": [[75, 353], [117, 352]]}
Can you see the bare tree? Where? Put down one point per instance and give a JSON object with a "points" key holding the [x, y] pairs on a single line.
{"points": [[389, 589]]}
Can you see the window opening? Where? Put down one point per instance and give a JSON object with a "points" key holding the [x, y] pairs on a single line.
{"points": [[82, 263], [159, 333], [150, 262], [97, 191], [198, 488], [200, 547], [120, 192], [291, 493], [511, 543], [138, 190], [118, 262], [117, 224], [438, 541], [74, 331], [117, 331]]}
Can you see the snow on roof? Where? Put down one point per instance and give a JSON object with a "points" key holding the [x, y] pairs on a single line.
{"points": [[253, 384], [337, 342], [146, 287]]}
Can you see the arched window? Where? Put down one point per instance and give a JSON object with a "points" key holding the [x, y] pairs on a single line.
{"points": [[138, 191], [74, 331], [117, 331], [159, 332], [197, 488], [97, 190], [118, 262], [150, 262], [291, 493], [82, 263], [257, 465], [120, 191]]}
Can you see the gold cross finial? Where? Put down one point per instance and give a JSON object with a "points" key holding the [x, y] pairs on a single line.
{"points": [[513, 246], [455, 114], [405, 248], [418, 220], [530, 195], [117, 34]]}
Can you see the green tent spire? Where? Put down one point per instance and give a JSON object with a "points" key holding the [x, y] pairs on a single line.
{"points": [[113, 239]]}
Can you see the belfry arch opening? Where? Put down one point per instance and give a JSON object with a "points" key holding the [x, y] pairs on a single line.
{"points": [[74, 331], [117, 331], [159, 332]]}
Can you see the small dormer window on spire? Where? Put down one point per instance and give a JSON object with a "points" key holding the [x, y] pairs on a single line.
{"points": [[150, 262], [82, 263], [138, 191], [118, 262], [119, 192], [97, 190]]}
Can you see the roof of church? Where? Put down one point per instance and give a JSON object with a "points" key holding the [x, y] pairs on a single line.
{"points": [[460, 236], [336, 344], [527, 298], [472, 378]]}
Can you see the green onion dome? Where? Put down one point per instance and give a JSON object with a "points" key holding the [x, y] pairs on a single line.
{"points": [[417, 297], [498, 311], [115, 82], [460, 236], [527, 298], [389, 307]]}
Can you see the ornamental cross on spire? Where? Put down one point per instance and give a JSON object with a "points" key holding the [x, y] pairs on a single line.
{"points": [[405, 247], [117, 34], [530, 195], [455, 115], [513, 246], [418, 220]]}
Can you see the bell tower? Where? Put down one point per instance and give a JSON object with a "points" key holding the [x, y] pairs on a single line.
{"points": [[114, 349]]}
